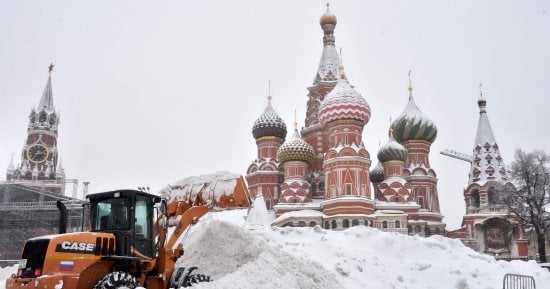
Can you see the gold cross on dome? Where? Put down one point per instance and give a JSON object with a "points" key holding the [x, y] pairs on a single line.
{"points": [[50, 67]]}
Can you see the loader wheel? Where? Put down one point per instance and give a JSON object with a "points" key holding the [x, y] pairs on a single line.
{"points": [[183, 277], [117, 280]]}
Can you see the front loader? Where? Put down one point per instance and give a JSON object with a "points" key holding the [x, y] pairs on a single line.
{"points": [[124, 247]]}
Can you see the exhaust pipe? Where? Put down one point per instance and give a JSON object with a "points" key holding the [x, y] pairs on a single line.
{"points": [[62, 217]]}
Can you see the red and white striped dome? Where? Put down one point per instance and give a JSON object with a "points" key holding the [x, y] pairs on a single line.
{"points": [[343, 102]]}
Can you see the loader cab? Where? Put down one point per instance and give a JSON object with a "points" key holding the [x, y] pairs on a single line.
{"points": [[128, 215]]}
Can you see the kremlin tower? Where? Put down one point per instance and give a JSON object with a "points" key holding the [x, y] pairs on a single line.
{"points": [[39, 167]]}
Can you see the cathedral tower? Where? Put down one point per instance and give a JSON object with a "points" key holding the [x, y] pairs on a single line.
{"points": [[39, 166], [487, 226], [344, 113], [295, 154], [416, 132], [324, 81], [264, 174], [394, 188]]}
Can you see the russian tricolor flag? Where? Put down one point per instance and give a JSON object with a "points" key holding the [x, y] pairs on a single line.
{"points": [[66, 266]]}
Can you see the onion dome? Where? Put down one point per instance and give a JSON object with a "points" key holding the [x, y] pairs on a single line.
{"points": [[269, 124], [296, 149], [392, 151], [413, 124], [343, 102], [377, 173], [328, 17]]}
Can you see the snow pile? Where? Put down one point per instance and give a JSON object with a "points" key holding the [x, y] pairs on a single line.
{"points": [[217, 185], [359, 257], [258, 214], [363, 257], [235, 258], [5, 273]]}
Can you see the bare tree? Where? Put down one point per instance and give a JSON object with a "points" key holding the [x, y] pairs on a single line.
{"points": [[530, 201]]}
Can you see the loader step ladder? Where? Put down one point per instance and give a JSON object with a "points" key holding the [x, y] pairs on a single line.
{"points": [[514, 281]]}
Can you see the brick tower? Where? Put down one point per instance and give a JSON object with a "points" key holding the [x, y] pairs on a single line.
{"points": [[39, 167], [487, 225], [324, 81], [416, 132], [344, 113], [265, 173], [295, 155]]}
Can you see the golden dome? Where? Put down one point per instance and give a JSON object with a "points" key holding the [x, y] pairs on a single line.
{"points": [[328, 17]]}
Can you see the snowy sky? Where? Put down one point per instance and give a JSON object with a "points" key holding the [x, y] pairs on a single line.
{"points": [[152, 92]]}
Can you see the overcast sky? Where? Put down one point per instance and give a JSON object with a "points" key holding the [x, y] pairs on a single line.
{"points": [[153, 92]]}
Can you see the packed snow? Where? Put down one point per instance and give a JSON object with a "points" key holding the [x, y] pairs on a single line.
{"points": [[359, 257], [217, 185], [258, 214]]}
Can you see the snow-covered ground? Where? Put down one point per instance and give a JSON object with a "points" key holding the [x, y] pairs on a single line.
{"points": [[360, 257]]}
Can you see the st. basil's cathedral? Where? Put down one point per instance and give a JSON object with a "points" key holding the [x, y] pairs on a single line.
{"points": [[324, 175]]}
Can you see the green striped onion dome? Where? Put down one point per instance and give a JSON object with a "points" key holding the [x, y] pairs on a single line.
{"points": [[377, 173], [392, 151], [413, 124], [295, 149]]}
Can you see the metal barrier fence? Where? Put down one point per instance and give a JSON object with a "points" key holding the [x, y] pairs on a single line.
{"points": [[514, 281]]}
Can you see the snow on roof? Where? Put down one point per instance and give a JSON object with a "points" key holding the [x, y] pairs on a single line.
{"points": [[216, 184], [315, 205], [46, 101], [487, 163], [328, 65], [388, 212]]}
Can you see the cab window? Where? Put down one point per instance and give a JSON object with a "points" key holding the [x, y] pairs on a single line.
{"points": [[110, 214]]}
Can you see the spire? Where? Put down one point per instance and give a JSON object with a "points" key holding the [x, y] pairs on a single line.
{"points": [[484, 131], [482, 102], [11, 166], [46, 102], [410, 85], [487, 163], [330, 61]]}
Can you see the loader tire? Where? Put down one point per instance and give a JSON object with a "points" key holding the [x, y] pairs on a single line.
{"points": [[117, 280], [183, 277]]}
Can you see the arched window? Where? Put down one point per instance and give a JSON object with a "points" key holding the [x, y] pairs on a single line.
{"points": [[384, 224], [437, 231], [409, 229], [345, 223], [289, 224], [427, 231], [312, 224], [397, 224], [417, 229], [327, 225], [474, 199], [333, 224], [301, 224], [354, 222]]}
